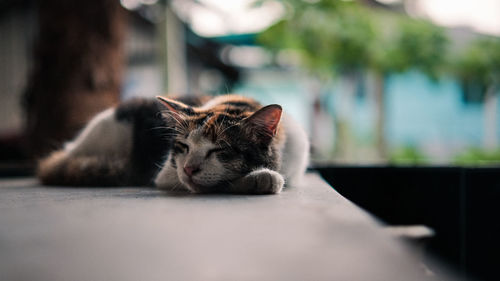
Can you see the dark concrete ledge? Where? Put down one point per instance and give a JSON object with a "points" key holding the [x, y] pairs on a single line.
{"points": [[129, 233], [459, 203]]}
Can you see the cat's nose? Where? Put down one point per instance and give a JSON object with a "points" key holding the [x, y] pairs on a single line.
{"points": [[191, 170]]}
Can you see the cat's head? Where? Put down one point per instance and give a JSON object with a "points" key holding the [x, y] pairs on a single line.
{"points": [[214, 146]]}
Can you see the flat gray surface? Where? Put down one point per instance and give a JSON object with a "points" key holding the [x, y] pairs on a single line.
{"points": [[306, 233]]}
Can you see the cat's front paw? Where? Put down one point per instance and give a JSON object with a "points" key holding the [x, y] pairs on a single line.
{"points": [[264, 181]]}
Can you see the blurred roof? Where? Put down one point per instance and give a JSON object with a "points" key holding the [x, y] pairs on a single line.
{"points": [[237, 39]]}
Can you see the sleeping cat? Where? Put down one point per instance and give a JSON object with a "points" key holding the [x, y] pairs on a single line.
{"points": [[225, 144]]}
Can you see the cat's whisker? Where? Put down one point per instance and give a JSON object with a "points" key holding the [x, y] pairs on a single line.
{"points": [[228, 144], [176, 186], [175, 129], [218, 135], [172, 135], [176, 132], [178, 117], [160, 127], [159, 166]]}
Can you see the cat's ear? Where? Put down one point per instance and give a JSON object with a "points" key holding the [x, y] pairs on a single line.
{"points": [[266, 120], [178, 109]]}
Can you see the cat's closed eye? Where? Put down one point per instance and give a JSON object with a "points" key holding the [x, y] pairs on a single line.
{"points": [[214, 150], [228, 153], [180, 147]]}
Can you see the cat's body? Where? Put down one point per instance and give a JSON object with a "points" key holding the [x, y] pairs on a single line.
{"points": [[228, 144]]}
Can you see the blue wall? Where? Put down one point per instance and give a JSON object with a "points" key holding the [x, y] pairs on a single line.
{"points": [[420, 110], [430, 115]]}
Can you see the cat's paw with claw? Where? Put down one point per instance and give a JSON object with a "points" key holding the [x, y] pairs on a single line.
{"points": [[262, 181]]}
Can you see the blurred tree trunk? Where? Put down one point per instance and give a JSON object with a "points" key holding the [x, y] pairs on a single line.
{"points": [[345, 146], [77, 68], [490, 140], [380, 139]]}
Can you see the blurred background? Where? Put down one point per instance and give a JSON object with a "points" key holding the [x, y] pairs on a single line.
{"points": [[403, 82], [400, 97]]}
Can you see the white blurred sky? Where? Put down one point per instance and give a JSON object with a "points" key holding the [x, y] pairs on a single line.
{"points": [[222, 17], [481, 15]]}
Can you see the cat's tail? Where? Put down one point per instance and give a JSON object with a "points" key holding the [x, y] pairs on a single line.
{"points": [[59, 168]]}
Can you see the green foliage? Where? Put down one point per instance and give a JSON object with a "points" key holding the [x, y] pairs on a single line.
{"points": [[332, 36], [417, 44], [278, 37], [478, 66], [476, 156], [408, 155], [337, 37]]}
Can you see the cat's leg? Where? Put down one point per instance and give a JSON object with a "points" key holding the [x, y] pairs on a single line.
{"points": [[59, 168], [167, 178], [99, 155], [260, 181]]}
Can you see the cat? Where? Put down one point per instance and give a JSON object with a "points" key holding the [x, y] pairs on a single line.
{"points": [[224, 144]]}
